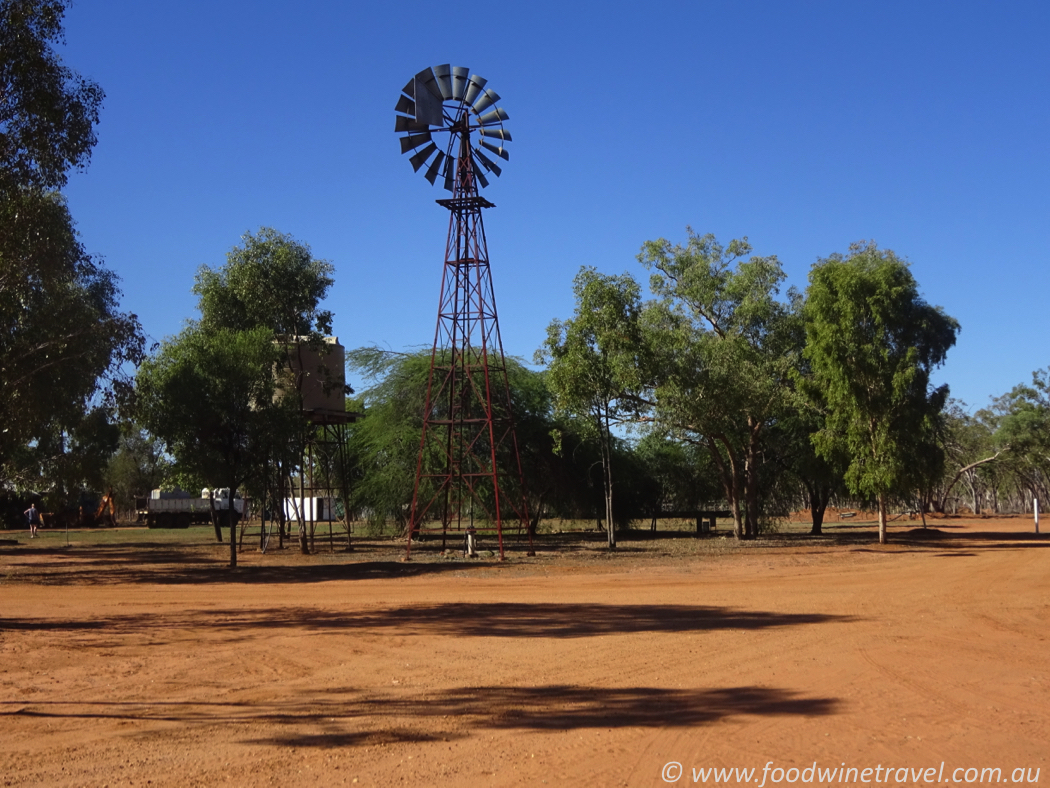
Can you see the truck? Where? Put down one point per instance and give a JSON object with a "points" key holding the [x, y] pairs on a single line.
{"points": [[177, 509]]}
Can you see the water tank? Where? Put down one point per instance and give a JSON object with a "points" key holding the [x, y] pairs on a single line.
{"points": [[318, 373]]}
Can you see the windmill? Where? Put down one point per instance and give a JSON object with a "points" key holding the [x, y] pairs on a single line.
{"points": [[468, 472]]}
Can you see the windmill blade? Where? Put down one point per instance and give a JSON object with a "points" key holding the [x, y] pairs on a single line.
{"points": [[481, 178], [405, 105], [428, 99], [408, 124], [420, 158], [498, 151], [435, 166], [474, 86], [450, 174], [489, 165], [413, 141], [426, 78], [503, 134], [495, 116], [459, 82], [488, 98], [444, 80], [410, 88]]}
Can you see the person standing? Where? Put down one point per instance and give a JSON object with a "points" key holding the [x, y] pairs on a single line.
{"points": [[34, 519]]}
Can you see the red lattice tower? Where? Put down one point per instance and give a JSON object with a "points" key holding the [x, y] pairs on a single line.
{"points": [[468, 476]]}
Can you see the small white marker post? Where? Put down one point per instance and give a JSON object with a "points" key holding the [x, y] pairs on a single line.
{"points": [[1035, 502]]}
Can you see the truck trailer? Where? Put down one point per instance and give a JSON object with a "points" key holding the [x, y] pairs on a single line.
{"points": [[178, 510]]}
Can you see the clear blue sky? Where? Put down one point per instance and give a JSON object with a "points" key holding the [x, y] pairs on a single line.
{"points": [[803, 125]]}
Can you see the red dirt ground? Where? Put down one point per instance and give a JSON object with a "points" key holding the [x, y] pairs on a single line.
{"points": [[140, 664]]}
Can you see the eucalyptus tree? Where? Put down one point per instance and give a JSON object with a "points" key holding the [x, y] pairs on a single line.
{"points": [[210, 396], [48, 112], [681, 475], [724, 348], [63, 341], [788, 445], [598, 364], [969, 446], [872, 342], [384, 445], [138, 465], [272, 281], [1022, 418]]}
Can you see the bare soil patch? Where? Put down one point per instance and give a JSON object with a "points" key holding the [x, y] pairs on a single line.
{"points": [[138, 657]]}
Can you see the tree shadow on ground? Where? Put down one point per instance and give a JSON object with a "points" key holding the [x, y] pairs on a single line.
{"points": [[932, 537], [497, 619], [142, 564], [374, 717]]}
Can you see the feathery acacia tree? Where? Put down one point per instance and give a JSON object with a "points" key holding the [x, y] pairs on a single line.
{"points": [[872, 342], [384, 446]]}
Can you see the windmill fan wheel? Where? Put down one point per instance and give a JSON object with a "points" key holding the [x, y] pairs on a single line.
{"points": [[445, 115]]}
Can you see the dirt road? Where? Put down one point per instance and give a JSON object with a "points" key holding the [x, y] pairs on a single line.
{"points": [[139, 665]]}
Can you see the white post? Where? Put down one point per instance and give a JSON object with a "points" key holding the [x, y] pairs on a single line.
{"points": [[1035, 506]]}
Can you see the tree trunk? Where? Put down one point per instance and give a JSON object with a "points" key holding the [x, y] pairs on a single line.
{"points": [[280, 506], [304, 547], [751, 483], [537, 510], [818, 504], [882, 519], [730, 478], [262, 509], [608, 481], [231, 518], [750, 498], [214, 516], [972, 484]]}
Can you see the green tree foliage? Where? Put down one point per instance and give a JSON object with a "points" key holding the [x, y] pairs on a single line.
{"points": [[963, 449], [724, 350], [872, 341], [270, 280], [47, 112], [64, 339], [597, 364], [76, 458], [1022, 418], [788, 446], [384, 445], [681, 475], [210, 396], [138, 466]]}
